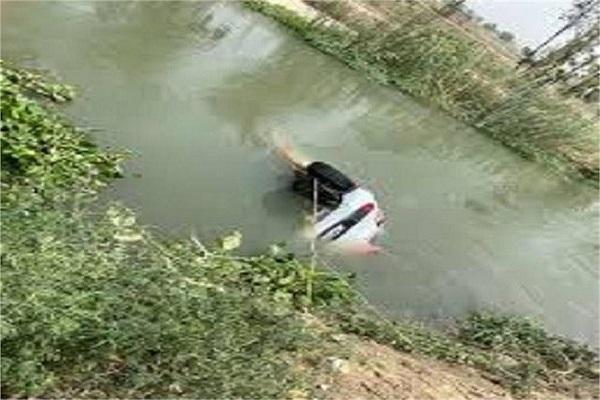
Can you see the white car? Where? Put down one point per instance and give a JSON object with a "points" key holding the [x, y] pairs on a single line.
{"points": [[348, 214]]}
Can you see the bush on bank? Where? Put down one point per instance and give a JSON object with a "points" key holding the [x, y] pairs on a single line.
{"points": [[41, 151]]}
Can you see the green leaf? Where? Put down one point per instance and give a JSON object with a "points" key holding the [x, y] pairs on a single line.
{"points": [[231, 242]]}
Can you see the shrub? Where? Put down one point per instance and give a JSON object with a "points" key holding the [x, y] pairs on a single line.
{"points": [[40, 149], [506, 36], [96, 308]]}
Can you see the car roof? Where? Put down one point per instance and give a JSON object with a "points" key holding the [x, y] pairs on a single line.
{"points": [[330, 176]]}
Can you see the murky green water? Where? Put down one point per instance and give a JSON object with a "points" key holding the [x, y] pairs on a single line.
{"points": [[192, 87]]}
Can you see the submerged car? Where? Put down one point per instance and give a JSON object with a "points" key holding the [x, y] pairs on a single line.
{"points": [[348, 214]]}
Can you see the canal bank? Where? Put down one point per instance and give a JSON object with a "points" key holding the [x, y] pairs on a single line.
{"points": [[96, 305], [471, 225], [410, 47]]}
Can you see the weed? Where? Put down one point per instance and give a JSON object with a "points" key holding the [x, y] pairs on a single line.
{"points": [[40, 149]]}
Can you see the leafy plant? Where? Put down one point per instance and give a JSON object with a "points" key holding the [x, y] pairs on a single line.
{"points": [[39, 148], [89, 314]]}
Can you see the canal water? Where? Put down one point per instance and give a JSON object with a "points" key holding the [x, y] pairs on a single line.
{"points": [[193, 90]]}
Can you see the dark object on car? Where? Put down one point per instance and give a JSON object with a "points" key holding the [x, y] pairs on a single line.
{"points": [[332, 184], [330, 177]]}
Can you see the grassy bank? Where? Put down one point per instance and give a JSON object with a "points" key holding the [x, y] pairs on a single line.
{"points": [[95, 305], [406, 46]]}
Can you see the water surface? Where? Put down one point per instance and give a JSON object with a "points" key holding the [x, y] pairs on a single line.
{"points": [[191, 88]]}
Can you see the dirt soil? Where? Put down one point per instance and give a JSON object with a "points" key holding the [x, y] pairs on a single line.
{"points": [[376, 372]]}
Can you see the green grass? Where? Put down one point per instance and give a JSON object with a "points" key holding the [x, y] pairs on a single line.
{"points": [[418, 55], [96, 306]]}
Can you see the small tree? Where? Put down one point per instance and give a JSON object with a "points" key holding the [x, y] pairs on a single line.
{"points": [[506, 36], [469, 14], [526, 51], [450, 7], [490, 26]]}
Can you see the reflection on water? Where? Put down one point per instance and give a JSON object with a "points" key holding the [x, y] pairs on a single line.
{"points": [[281, 84], [192, 87]]}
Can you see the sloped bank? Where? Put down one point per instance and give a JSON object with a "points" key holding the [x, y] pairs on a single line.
{"points": [[95, 305], [405, 45]]}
